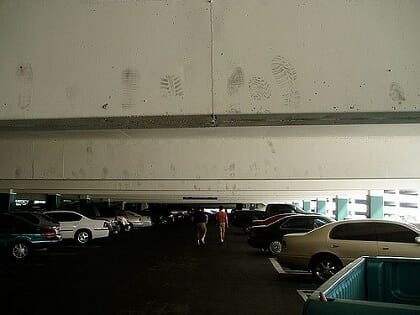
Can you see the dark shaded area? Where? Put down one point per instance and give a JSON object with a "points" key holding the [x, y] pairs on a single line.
{"points": [[159, 270], [200, 121]]}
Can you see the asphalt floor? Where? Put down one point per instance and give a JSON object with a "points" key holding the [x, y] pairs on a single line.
{"points": [[158, 270]]}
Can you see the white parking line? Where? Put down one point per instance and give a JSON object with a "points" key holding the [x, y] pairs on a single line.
{"points": [[277, 266], [305, 294], [281, 271]]}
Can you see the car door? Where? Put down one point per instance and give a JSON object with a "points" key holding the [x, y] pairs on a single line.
{"points": [[351, 240], [68, 222], [397, 240]]}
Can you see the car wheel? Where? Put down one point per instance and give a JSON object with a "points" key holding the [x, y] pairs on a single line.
{"points": [[20, 250], [82, 237], [275, 247], [325, 267]]}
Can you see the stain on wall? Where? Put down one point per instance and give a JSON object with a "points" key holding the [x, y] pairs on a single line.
{"points": [[285, 76], [18, 173], [24, 76], [235, 81], [259, 89], [105, 172], [72, 92], [171, 85], [396, 93], [235, 108], [271, 145], [126, 174], [130, 82]]}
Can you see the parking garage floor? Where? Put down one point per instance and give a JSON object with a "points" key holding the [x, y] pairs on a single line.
{"points": [[160, 270]]}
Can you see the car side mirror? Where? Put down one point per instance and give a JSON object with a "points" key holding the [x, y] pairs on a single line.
{"points": [[417, 239]]}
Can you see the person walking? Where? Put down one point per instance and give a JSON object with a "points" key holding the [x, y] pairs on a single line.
{"points": [[200, 218], [222, 223]]}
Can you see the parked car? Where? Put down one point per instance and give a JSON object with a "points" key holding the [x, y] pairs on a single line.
{"points": [[137, 220], [269, 237], [326, 250], [278, 208], [76, 226], [243, 218], [266, 221], [19, 236], [116, 221], [37, 218]]}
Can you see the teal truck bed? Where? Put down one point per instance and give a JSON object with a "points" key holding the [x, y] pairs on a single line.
{"points": [[370, 285]]}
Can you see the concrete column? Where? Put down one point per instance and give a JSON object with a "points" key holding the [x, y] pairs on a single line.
{"points": [[376, 204], [341, 208], [54, 202], [321, 206], [307, 206], [7, 201]]}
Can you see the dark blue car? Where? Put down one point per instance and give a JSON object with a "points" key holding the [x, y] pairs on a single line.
{"points": [[19, 236]]}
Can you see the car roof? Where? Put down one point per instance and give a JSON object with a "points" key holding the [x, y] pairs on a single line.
{"points": [[10, 214], [66, 211], [297, 215], [344, 222]]}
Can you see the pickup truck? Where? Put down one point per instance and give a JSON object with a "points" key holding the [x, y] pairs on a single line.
{"points": [[370, 285]]}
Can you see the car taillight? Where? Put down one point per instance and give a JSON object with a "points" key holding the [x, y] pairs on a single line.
{"points": [[48, 232]]}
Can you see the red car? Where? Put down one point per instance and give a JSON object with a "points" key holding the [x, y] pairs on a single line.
{"points": [[268, 221]]}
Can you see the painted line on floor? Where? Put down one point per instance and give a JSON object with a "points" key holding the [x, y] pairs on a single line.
{"points": [[305, 294], [277, 266], [281, 271]]}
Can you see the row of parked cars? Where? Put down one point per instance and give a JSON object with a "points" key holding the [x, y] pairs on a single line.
{"points": [[23, 231], [323, 246]]}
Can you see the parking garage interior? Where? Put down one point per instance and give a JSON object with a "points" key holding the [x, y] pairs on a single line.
{"points": [[165, 107]]}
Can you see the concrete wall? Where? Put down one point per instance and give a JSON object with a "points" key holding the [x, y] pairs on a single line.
{"points": [[164, 58], [95, 58], [252, 163]]}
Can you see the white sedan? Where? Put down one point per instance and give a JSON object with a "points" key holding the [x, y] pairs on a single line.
{"points": [[136, 220], [76, 226]]}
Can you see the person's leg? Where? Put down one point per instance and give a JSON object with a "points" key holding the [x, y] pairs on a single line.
{"points": [[204, 233], [198, 232], [224, 231], [222, 228]]}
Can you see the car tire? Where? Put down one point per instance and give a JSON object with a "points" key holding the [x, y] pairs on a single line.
{"points": [[82, 237], [324, 267], [20, 250], [275, 247]]}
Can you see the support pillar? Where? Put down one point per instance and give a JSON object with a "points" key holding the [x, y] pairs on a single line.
{"points": [[376, 204], [321, 206], [341, 208], [307, 206], [54, 202], [7, 201]]}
